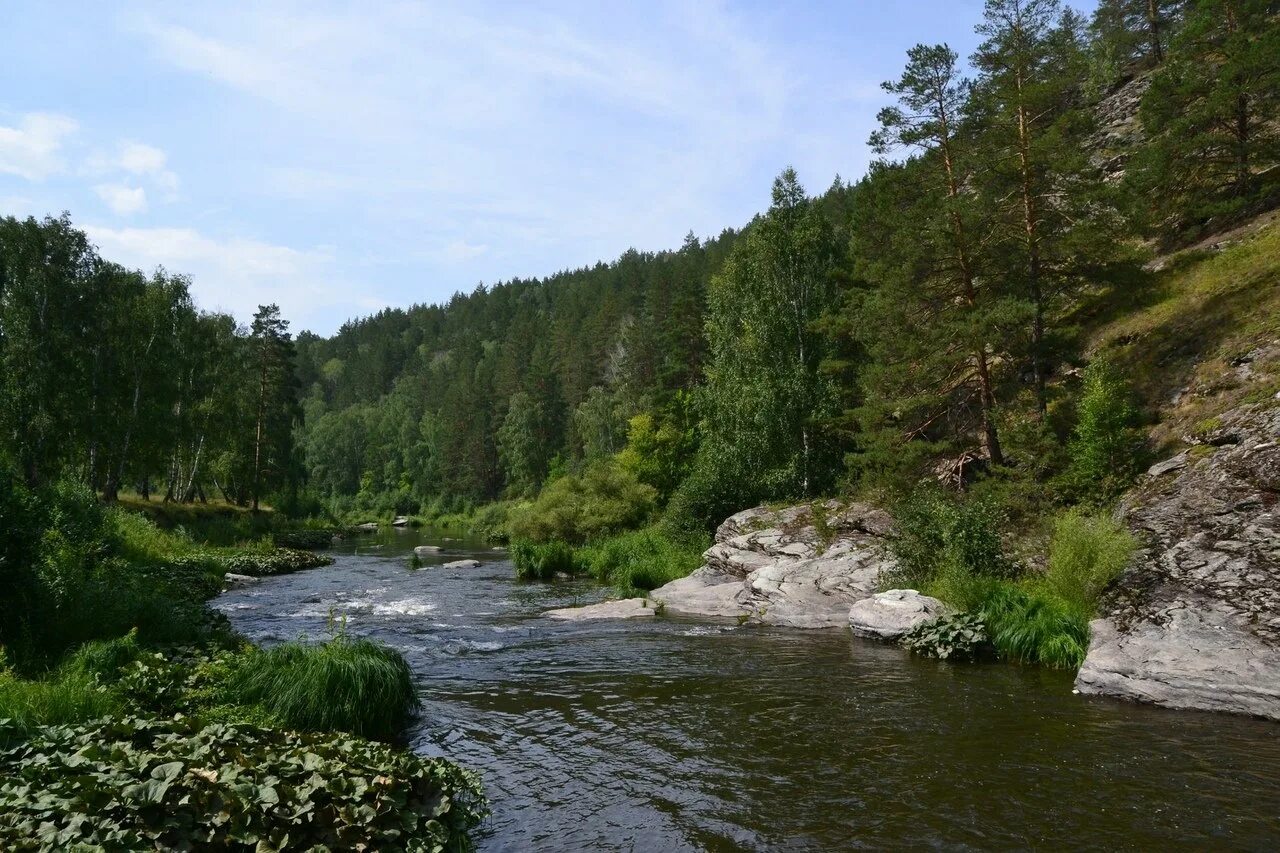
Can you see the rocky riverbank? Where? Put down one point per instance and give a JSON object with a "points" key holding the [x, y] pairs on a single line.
{"points": [[1195, 622]]}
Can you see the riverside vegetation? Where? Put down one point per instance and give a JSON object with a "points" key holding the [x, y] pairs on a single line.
{"points": [[984, 333]]}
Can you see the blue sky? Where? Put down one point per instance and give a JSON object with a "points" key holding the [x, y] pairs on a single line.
{"points": [[341, 157]]}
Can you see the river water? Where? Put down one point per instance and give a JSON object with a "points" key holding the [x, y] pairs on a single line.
{"points": [[671, 735]]}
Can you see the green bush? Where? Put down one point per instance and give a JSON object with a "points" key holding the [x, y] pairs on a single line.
{"points": [[174, 785], [350, 685], [962, 636], [1086, 554], [605, 499], [542, 561], [943, 540], [1106, 448], [640, 560]]}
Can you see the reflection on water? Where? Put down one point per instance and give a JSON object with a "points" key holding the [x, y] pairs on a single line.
{"points": [[672, 735]]}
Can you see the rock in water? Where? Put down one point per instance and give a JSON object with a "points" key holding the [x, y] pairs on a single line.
{"points": [[889, 615], [799, 566], [368, 527], [400, 521], [623, 608], [231, 580], [462, 564], [426, 550], [1195, 622]]}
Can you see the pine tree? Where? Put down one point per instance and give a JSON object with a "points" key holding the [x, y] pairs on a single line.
{"points": [[1212, 115], [1135, 32], [932, 282], [276, 407]]}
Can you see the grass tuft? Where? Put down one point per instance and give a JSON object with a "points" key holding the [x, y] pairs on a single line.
{"points": [[350, 685]]}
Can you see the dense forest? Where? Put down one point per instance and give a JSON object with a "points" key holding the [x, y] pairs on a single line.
{"points": [[924, 319]]}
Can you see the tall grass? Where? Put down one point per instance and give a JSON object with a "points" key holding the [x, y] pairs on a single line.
{"points": [[350, 685], [1086, 554], [542, 561], [63, 698], [1030, 625], [640, 560]]}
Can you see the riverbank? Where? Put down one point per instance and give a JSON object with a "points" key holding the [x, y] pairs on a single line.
{"points": [[115, 667], [681, 734]]}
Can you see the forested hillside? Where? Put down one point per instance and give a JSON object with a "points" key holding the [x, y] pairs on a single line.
{"points": [[931, 317]]}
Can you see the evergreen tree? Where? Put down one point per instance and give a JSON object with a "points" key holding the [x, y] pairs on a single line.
{"points": [[937, 322], [276, 410], [1212, 115], [1134, 32]]}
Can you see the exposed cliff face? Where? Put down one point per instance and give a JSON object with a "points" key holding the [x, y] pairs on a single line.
{"points": [[1195, 623]]}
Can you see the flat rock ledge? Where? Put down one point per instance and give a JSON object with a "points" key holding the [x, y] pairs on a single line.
{"points": [[425, 550], [801, 566], [891, 614], [1195, 621], [622, 608]]}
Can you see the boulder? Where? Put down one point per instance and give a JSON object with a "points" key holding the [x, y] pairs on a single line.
{"points": [[368, 527], [426, 550], [800, 566], [1195, 621], [622, 608], [462, 564], [889, 615], [400, 521], [231, 580]]}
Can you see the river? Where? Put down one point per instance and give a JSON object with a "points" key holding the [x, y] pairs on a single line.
{"points": [[670, 735]]}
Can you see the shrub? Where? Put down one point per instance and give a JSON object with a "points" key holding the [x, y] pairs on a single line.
{"points": [[174, 785], [1087, 553], [942, 537], [542, 561], [640, 560], [1106, 449], [350, 685], [962, 636], [605, 499]]}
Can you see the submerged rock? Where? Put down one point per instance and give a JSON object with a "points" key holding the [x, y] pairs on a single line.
{"points": [[1195, 622], [462, 564], [889, 615], [424, 550], [800, 566], [622, 608]]}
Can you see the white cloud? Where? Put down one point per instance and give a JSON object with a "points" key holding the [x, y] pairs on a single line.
{"points": [[123, 200], [237, 274], [32, 149], [460, 251], [136, 159]]}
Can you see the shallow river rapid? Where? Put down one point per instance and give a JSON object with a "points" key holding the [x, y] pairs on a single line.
{"points": [[671, 735]]}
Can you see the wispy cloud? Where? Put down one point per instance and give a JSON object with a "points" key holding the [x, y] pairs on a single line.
{"points": [[32, 149], [237, 274], [123, 200]]}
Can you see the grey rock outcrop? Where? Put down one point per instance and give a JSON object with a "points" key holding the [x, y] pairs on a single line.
{"points": [[890, 614], [1195, 622], [797, 567], [231, 580], [462, 564], [622, 608], [426, 550]]}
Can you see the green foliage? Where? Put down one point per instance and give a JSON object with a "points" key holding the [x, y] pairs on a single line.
{"points": [[1106, 449], [542, 560], [67, 699], [1210, 114], [658, 451], [1086, 554], [604, 499], [173, 785], [959, 637], [640, 560], [1034, 626], [350, 685], [941, 542]]}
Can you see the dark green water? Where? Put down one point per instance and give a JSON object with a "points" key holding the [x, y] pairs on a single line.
{"points": [[671, 735]]}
